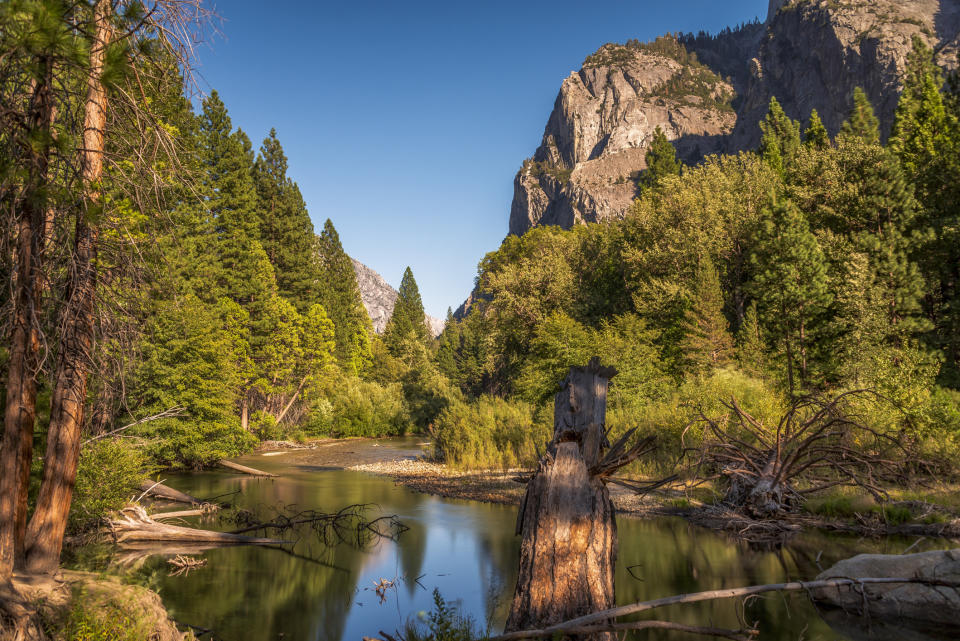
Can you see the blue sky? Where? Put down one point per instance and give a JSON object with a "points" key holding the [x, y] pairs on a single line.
{"points": [[405, 122]]}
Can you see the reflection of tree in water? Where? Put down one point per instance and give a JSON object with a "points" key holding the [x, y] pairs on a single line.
{"points": [[498, 559], [412, 550]]}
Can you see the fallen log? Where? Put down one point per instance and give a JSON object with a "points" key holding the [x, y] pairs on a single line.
{"points": [[243, 468], [179, 514], [600, 621], [159, 490], [133, 524]]}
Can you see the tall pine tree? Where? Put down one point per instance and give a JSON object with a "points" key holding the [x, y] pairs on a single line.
{"points": [[707, 343], [408, 320], [862, 123], [286, 231], [781, 137], [790, 284], [340, 297]]}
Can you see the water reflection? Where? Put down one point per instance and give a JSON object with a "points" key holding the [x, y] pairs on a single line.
{"points": [[469, 552]]}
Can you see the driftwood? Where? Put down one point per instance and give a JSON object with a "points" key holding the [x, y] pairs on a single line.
{"points": [[600, 621], [208, 508], [566, 519], [243, 468], [161, 491], [134, 524]]}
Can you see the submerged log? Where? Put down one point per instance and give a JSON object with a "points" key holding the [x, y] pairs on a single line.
{"points": [[133, 524], [243, 468], [569, 534], [161, 491]]}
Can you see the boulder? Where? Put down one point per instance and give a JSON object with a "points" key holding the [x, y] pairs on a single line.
{"points": [[930, 604]]}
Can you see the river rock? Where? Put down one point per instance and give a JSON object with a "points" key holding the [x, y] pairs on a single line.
{"points": [[930, 604]]}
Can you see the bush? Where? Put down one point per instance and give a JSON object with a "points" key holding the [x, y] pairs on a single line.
{"points": [[490, 433], [355, 407], [182, 442], [108, 474], [443, 623]]}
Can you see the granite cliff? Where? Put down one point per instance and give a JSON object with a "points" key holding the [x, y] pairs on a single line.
{"points": [[379, 298], [708, 93]]}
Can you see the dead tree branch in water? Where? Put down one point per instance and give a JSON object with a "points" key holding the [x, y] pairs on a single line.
{"points": [[817, 444], [349, 524]]}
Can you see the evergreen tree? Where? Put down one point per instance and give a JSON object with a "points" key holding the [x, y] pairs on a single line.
{"points": [[340, 297], [286, 231], [447, 346], [816, 135], [790, 283], [661, 160], [707, 343], [751, 350], [231, 201], [781, 137], [862, 123], [926, 138], [408, 318]]}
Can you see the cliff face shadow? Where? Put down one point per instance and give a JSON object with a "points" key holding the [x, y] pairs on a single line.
{"points": [[947, 24]]}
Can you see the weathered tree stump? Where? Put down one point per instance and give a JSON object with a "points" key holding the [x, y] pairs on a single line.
{"points": [[569, 533]]}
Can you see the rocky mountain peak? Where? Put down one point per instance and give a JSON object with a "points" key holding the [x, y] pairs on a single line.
{"points": [[708, 94], [379, 298]]}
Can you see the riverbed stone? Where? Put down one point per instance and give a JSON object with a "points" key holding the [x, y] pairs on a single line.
{"points": [[930, 604]]}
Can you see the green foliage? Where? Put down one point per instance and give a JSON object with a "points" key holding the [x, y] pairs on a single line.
{"points": [[790, 283], [816, 135], [108, 474], [490, 432], [661, 159], [408, 320], [340, 296], [781, 137], [444, 622], [92, 617], [360, 408], [707, 343], [863, 123]]}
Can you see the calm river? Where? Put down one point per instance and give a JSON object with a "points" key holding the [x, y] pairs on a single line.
{"points": [[469, 552]]}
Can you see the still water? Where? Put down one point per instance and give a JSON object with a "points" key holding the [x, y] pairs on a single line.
{"points": [[469, 552]]}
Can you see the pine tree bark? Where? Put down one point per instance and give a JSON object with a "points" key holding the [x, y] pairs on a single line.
{"points": [[569, 533], [16, 448], [44, 536]]}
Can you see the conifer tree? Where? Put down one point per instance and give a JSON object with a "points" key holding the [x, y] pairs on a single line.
{"points": [[448, 345], [816, 135], [790, 283], [231, 201], [408, 319], [707, 343], [862, 123], [926, 138], [661, 160], [340, 297], [286, 231], [781, 137], [751, 351]]}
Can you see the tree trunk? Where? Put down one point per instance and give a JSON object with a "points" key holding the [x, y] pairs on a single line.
{"points": [[569, 534], [16, 448], [46, 529]]}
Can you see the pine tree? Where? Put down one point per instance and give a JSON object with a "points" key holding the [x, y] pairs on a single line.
{"points": [[862, 123], [751, 350], [816, 135], [790, 283], [231, 200], [926, 138], [781, 137], [707, 343], [661, 159], [408, 319], [340, 297], [286, 231], [448, 344]]}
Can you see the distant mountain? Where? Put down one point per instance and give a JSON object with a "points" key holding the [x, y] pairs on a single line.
{"points": [[379, 298], [810, 54]]}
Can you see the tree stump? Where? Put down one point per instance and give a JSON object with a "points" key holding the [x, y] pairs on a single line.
{"points": [[569, 534]]}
